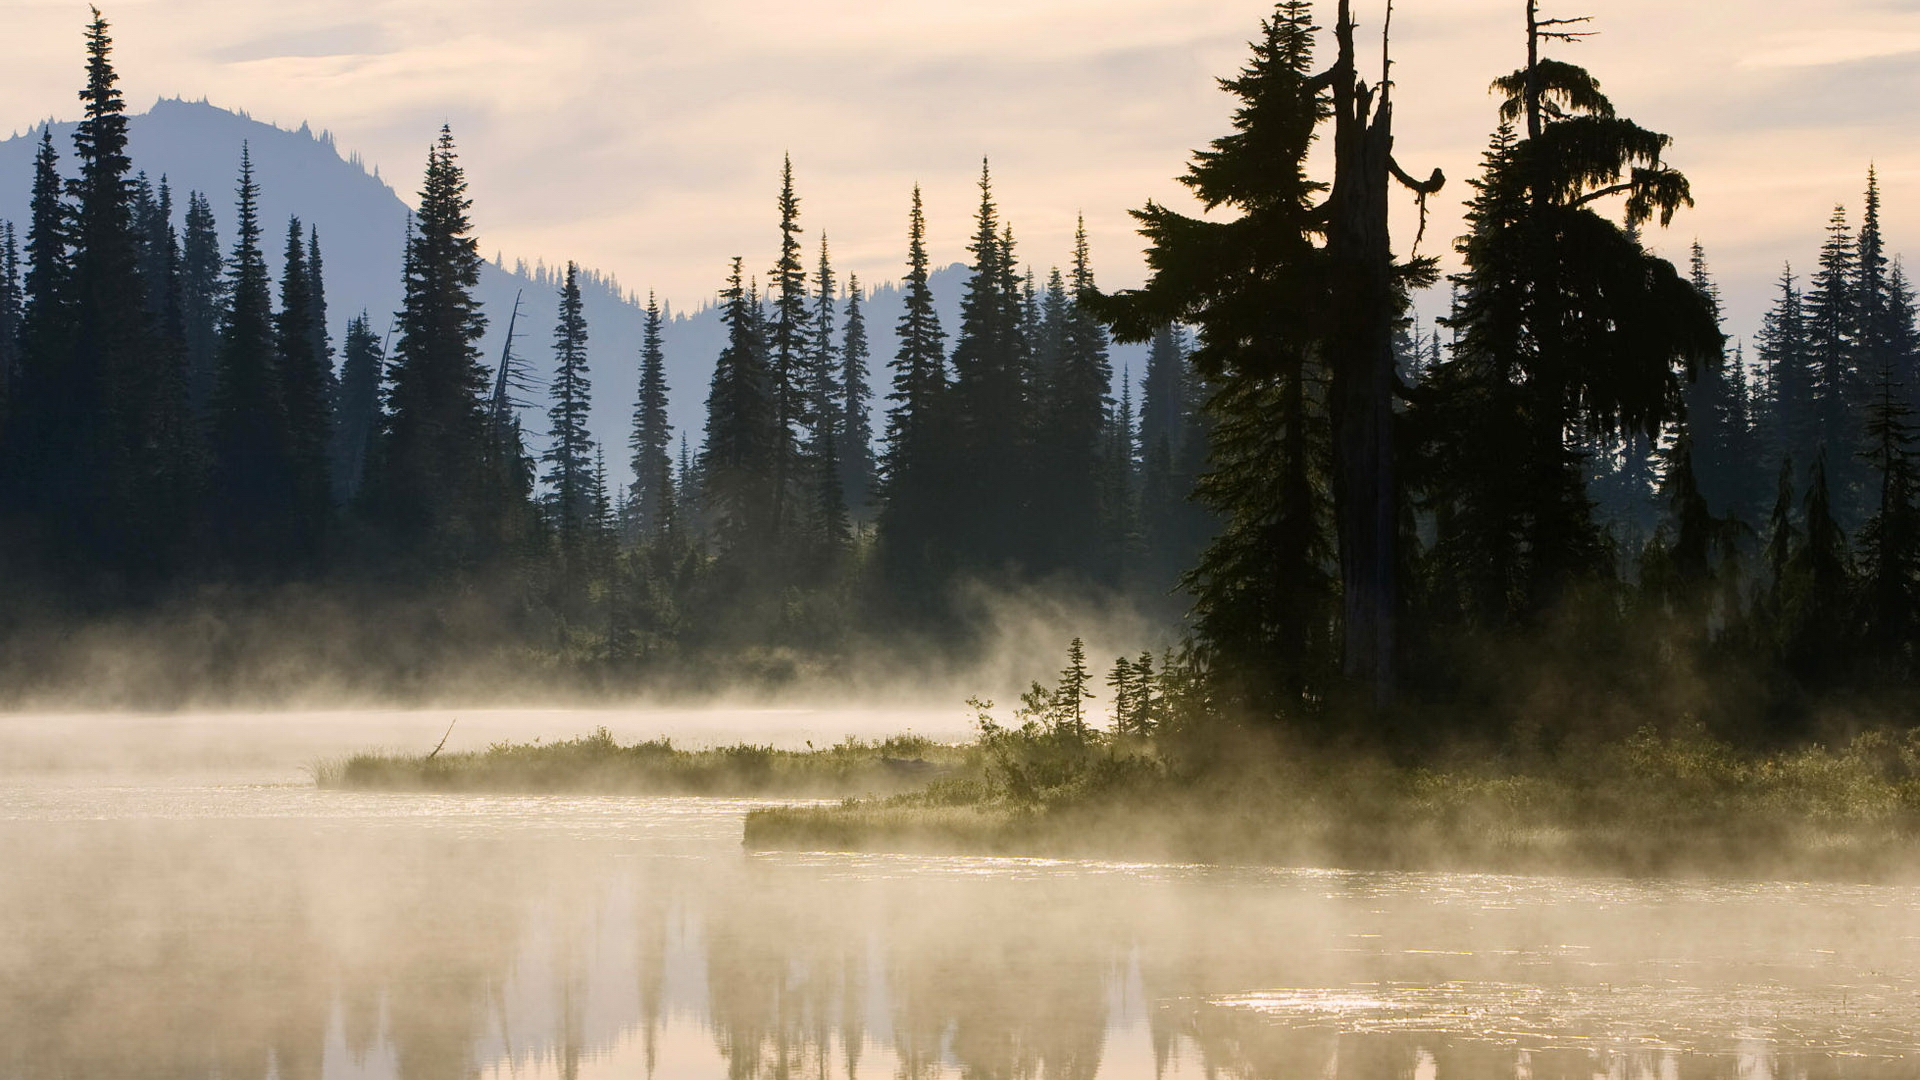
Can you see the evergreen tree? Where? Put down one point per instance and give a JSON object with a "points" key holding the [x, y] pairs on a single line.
{"points": [[1120, 538], [989, 400], [1079, 497], [357, 407], [306, 405], [1832, 329], [1791, 423], [1172, 445], [914, 516], [652, 466], [433, 489], [322, 339], [9, 331], [43, 436], [1253, 287], [833, 528], [252, 471], [1566, 323], [570, 448], [202, 301], [740, 460], [1714, 413], [823, 376], [130, 480], [856, 410], [789, 349]]}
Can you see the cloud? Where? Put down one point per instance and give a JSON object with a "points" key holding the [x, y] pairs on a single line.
{"points": [[1821, 48]]}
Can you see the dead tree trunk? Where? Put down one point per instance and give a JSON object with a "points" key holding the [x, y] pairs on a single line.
{"points": [[1364, 374]]}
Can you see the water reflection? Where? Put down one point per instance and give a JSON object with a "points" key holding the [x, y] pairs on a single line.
{"points": [[260, 932]]}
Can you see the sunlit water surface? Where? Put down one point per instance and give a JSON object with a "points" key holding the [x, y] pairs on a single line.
{"points": [[240, 925]]}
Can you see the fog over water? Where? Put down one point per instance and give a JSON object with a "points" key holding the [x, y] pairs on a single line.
{"points": [[213, 915]]}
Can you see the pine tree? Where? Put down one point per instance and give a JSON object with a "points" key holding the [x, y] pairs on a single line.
{"points": [[570, 447], [10, 333], [252, 472], [1839, 387], [1120, 539], [1790, 421], [833, 528], [1566, 324], [1076, 501], [306, 403], [357, 407], [856, 410], [991, 421], [1068, 711], [823, 377], [740, 459], [1714, 414], [434, 489], [45, 429], [131, 478], [202, 301], [322, 343], [652, 466], [789, 349], [913, 516], [1262, 592]]}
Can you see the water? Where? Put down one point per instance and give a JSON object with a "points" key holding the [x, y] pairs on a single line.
{"points": [[232, 922]]}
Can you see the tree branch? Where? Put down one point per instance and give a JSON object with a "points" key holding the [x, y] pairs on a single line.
{"points": [[1617, 189]]}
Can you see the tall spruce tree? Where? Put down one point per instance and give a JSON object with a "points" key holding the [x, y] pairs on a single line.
{"points": [[789, 350], [202, 301], [357, 407], [740, 459], [1790, 423], [651, 437], [990, 402], [251, 487], [317, 293], [1074, 498], [43, 435], [823, 375], [131, 477], [856, 410], [306, 403], [9, 328], [570, 446], [912, 526], [1839, 386], [1567, 324], [434, 490], [1253, 288]]}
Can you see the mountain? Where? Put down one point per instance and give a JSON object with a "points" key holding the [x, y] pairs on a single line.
{"points": [[362, 223]]}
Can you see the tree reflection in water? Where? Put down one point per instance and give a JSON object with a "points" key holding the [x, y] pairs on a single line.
{"points": [[264, 947]]}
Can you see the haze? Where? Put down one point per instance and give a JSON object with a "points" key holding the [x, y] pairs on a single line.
{"points": [[645, 138]]}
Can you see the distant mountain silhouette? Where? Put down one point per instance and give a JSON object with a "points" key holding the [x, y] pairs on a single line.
{"points": [[362, 223]]}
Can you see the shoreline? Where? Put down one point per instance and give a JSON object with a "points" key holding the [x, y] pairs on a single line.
{"points": [[1650, 807]]}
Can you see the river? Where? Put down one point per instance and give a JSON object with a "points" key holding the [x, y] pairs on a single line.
{"points": [[177, 901]]}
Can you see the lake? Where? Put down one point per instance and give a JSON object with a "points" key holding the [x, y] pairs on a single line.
{"points": [[177, 901]]}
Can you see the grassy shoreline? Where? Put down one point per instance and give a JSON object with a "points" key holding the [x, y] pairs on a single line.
{"points": [[1650, 806], [598, 764]]}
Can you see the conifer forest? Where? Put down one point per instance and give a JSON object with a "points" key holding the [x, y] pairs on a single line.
{"points": [[1575, 502]]}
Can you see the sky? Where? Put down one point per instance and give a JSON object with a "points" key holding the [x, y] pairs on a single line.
{"points": [[644, 137]]}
